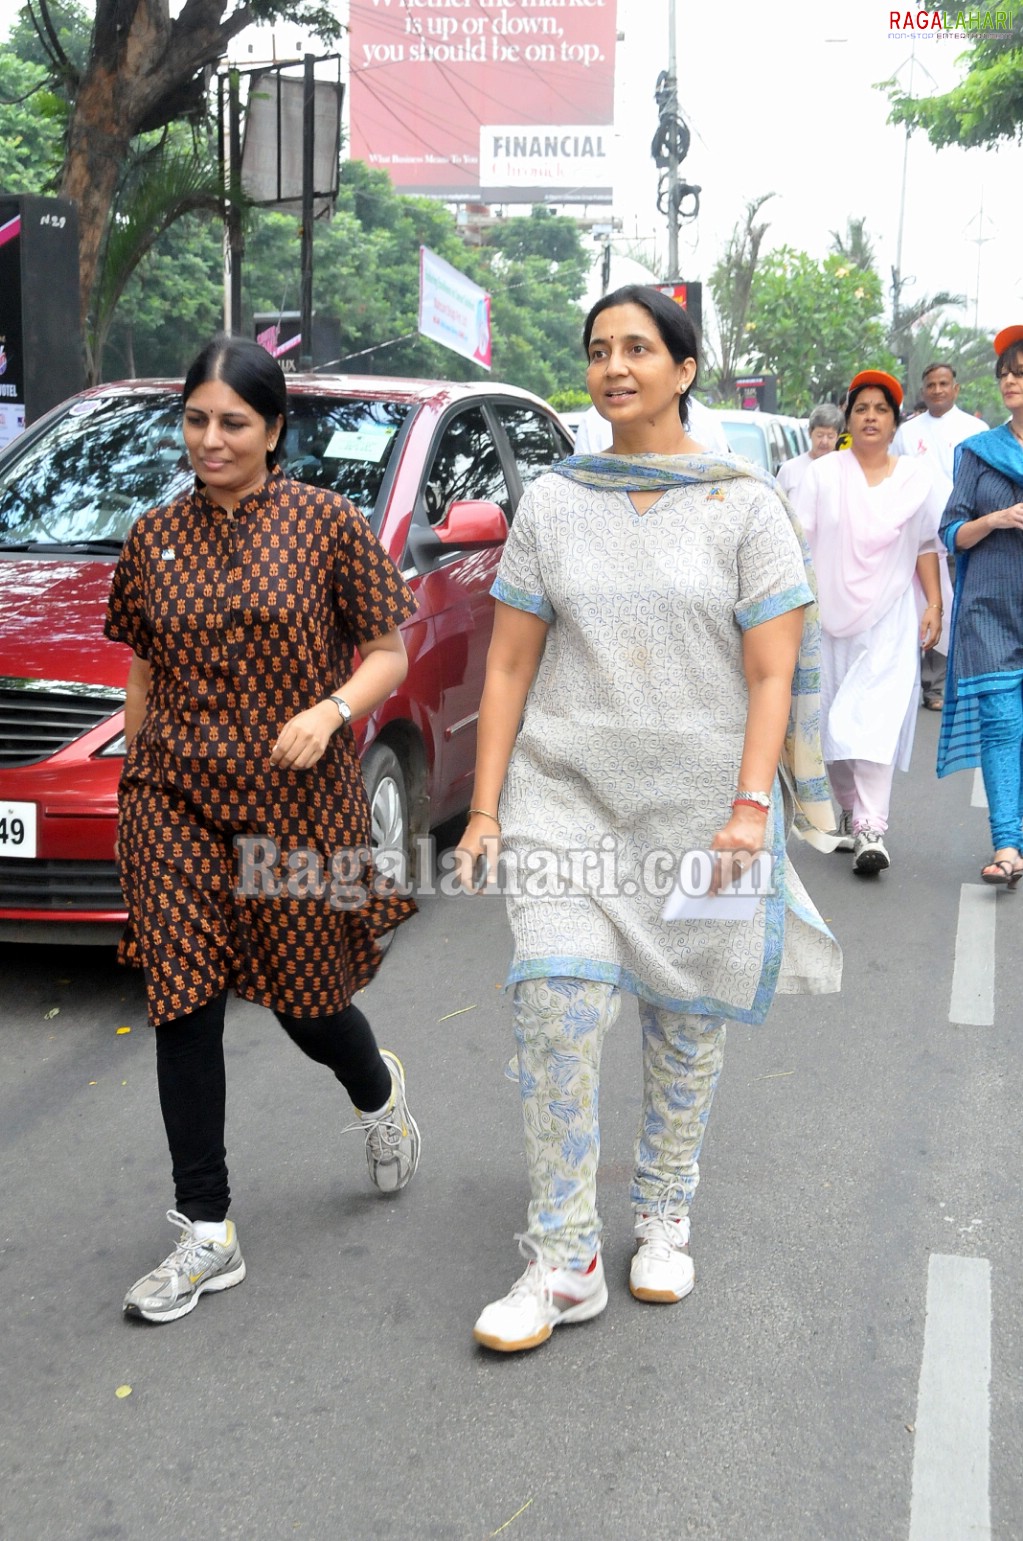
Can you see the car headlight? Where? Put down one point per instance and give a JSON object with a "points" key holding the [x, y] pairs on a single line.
{"points": [[116, 749]]}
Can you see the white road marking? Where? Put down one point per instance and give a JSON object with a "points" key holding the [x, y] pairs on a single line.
{"points": [[951, 1454], [973, 977], [978, 798]]}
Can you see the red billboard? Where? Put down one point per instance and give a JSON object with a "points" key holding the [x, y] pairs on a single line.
{"points": [[486, 100]]}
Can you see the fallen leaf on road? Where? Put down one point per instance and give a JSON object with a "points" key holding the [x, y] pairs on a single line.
{"points": [[122, 1030], [459, 1013], [54, 1011], [122, 1392], [515, 1516]]}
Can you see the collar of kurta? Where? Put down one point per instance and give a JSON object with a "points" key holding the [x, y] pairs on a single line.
{"points": [[802, 762], [256, 501]]}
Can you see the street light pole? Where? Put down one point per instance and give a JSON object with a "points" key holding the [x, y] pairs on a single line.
{"points": [[673, 161]]}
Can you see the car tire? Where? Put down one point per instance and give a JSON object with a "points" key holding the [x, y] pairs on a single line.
{"points": [[388, 807]]}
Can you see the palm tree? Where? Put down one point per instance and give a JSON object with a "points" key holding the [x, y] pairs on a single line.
{"points": [[855, 246]]}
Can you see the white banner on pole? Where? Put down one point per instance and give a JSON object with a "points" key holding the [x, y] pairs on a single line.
{"points": [[452, 309]]}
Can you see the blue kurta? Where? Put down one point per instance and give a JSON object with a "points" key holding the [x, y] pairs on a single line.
{"points": [[986, 641]]}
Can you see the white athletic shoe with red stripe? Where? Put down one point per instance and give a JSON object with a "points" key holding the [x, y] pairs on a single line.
{"points": [[544, 1297]]}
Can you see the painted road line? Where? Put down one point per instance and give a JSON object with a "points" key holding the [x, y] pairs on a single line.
{"points": [[951, 1453], [978, 798], [973, 977]]}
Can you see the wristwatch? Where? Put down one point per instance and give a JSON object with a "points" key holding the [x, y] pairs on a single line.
{"points": [[761, 799], [344, 711]]}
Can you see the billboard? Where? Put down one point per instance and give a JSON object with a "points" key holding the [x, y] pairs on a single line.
{"points": [[494, 101]]}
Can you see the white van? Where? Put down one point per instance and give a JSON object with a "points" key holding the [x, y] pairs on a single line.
{"points": [[764, 437]]}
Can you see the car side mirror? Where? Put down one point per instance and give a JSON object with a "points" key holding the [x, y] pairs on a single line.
{"points": [[475, 522]]}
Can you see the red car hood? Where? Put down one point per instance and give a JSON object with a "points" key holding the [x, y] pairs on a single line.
{"points": [[51, 621]]}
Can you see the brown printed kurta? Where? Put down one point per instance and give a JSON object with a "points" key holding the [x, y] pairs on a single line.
{"points": [[247, 619]]}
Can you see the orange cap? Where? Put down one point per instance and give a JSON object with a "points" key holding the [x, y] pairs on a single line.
{"points": [[1006, 337], [879, 377]]}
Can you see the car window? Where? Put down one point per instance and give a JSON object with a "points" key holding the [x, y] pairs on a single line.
{"points": [[747, 439], [465, 466], [343, 444], [88, 476], [536, 443], [780, 449]]}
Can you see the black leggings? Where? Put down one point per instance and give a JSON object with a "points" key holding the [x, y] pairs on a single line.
{"points": [[191, 1081]]}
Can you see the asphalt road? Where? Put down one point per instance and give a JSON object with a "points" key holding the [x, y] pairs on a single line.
{"points": [[857, 1240]]}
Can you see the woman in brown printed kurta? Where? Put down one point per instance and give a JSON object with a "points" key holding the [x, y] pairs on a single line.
{"points": [[244, 828]]}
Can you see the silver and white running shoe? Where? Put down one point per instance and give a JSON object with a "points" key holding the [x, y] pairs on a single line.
{"points": [[192, 1269], [392, 1139]]}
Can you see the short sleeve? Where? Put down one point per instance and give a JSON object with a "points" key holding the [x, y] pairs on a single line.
{"points": [[772, 576], [126, 619], [370, 596], [519, 580]]}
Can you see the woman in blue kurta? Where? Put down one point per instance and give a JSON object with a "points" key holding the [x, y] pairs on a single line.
{"points": [[983, 527]]}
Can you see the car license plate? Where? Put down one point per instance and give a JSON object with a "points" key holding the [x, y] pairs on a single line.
{"points": [[18, 829]]}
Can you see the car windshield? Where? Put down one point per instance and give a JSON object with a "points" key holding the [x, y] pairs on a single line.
{"points": [[88, 476], [747, 439]]}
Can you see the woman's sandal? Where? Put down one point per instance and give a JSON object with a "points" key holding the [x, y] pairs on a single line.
{"points": [[1007, 874]]}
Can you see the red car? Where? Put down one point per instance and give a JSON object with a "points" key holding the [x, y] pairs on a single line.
{"points": [[437, 468]]}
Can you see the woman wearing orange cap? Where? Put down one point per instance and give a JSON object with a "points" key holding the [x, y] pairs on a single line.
{"points": [[983, 525], [871, 519]]}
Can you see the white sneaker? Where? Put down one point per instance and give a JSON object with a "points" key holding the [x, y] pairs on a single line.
{"points": [[662, 1269], [844, 830], [392, 1138], [541, 1300], [869, 853]]}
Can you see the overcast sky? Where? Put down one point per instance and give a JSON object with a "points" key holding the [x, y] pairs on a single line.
{"points": [[780, 99]]}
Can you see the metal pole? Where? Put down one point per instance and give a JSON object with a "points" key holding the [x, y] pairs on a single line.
{"points": [[305, 353], [235, 238], [673, 199]]}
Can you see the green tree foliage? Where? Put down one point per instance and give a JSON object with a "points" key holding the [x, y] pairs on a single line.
{"points": [[32, 122], [366, 274], [142, 72], [814, 324], [987, 104]]}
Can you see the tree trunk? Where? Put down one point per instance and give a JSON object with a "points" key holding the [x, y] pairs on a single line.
{"points": [[143, 72], [98, 142]]}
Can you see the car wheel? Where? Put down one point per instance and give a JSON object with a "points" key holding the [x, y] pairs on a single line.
{"points": [[388, 808]]}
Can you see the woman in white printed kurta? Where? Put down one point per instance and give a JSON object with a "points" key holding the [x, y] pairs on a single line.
{"points": [[651, 605]]}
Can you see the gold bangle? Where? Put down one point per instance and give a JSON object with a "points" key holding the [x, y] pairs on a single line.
{"points": [[940, 609], [483, 814]]}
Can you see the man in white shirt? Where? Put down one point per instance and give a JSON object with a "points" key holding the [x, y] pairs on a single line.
{"points": [[932, 436], [824, 425], [594, 431]]}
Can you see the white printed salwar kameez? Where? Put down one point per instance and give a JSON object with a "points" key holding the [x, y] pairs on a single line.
{"points": [[632, 738]]}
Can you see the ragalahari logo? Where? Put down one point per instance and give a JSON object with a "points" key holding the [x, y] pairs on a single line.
{"points": [[936, 24]]}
